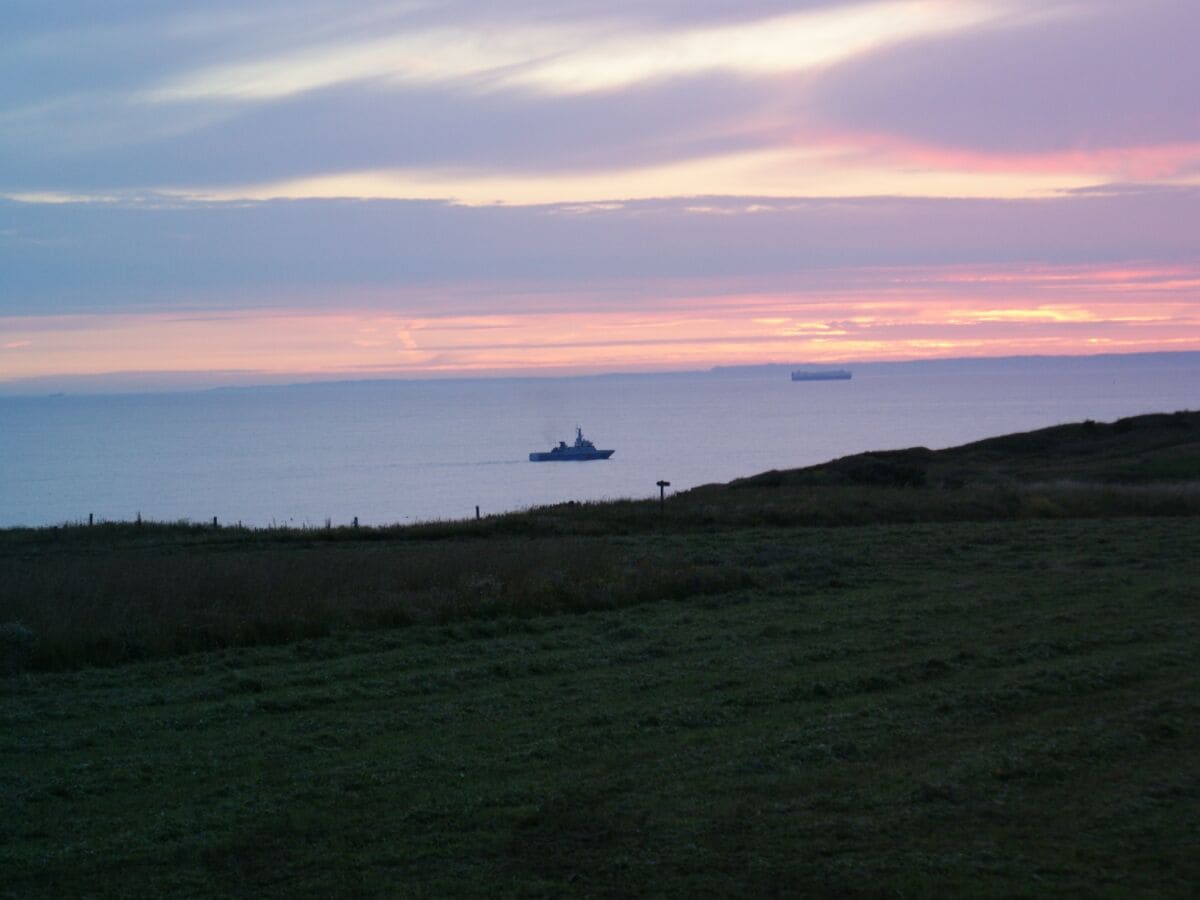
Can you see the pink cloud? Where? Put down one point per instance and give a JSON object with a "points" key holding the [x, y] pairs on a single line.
{"points": [[1146, 162], [1096, 75]]}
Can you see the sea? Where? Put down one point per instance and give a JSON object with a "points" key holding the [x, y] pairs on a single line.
{"points": [[407, 451]]}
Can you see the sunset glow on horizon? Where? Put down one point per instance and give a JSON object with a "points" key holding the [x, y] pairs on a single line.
{"points": [[922, 315], [419, 190]]}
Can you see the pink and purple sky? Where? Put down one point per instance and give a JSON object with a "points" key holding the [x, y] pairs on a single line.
{"points": [[307, 189]]}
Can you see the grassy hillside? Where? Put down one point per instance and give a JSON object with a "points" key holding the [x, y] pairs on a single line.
{"points": [[1141, 449], [988, 689]]}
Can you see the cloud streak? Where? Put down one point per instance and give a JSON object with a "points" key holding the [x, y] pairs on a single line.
{"points": [[112, 257], [578, 57]]}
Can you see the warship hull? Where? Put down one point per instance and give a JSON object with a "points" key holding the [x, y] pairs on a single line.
{"points": [[582, 450], [570, 455]]}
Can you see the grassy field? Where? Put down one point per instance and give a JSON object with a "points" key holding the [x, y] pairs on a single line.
{"points": [[987, 690]]}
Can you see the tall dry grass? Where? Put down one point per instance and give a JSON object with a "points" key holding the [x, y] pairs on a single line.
{"points": [[79, 596], [117, 604]]}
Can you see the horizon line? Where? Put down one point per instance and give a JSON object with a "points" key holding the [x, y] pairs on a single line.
{"points": [[57, 385]]}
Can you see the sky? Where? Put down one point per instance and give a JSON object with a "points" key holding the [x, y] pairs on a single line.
{"points": [[243, 193]]}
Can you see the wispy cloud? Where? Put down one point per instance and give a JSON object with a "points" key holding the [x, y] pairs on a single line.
{"points": [[580, 57], [776, 173]]}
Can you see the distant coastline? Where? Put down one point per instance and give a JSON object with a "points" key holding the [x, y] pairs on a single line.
{"points": [[119, 383], [976, 363]]}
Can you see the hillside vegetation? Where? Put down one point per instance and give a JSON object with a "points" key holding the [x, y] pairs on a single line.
{"points": [[980, 685], [1137, 450]]}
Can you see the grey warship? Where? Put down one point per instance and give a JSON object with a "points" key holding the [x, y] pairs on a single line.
{"points": [[581, 451]]}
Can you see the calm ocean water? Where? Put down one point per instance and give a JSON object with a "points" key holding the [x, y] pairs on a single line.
{"points": [[409, 451]]}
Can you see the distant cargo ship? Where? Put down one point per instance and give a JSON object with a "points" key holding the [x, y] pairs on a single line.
{"points": [[580, 451], [821, 375]]}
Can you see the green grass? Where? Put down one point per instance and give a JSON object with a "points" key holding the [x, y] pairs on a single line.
{"points": [[982, 708]]}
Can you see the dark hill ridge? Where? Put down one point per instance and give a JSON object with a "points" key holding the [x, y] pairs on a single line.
{"points": [[1139, 449]]}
